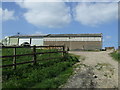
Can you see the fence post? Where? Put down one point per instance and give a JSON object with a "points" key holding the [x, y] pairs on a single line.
{"points": [[34, 56], [14, 59], [63, 50], [49, 51]]}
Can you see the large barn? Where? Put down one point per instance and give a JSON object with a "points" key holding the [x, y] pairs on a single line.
{"points": [[71, 41]]}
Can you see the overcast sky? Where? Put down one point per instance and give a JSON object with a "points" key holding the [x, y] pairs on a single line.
{"points": [[61, 17]]}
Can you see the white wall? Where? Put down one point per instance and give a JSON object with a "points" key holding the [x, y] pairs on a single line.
{"points": [[7, 38], [34, 41], [21, 40], [37, 41]]}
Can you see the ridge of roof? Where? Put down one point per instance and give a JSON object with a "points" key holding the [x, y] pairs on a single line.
{"points": [[59, 35]]}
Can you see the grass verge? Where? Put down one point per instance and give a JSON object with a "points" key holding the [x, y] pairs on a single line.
{"points": [[45, 74], [116, 55]]}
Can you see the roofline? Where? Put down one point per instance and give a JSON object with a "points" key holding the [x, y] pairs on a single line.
{"points": [[58, 35]]}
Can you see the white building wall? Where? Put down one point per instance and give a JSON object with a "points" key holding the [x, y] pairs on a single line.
{"points": [[7, 40], [37, 41], [34, 41], [22, 40]]}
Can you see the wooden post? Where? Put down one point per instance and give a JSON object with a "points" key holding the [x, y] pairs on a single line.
{"points": [[49, 51], [14, 59], [34, 56], [63, 50]]}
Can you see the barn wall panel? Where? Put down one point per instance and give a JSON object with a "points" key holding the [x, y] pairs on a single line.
{"points": [[77, 45], [37, 41], [13, 41]]}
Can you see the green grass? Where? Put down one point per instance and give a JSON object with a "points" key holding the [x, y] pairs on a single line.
{"points": [[116, 56], [45, 74]]}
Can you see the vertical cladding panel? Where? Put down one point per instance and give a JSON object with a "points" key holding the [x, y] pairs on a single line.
{"points": [[93, 45], [77, 45], [74, 43], [37, 41], [13, 41], [87, 45]]}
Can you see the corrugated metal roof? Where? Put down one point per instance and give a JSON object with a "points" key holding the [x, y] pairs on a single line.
{"points": [[59, 35]]}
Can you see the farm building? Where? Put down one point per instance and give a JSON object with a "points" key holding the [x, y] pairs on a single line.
{"points": [[71, 41]]}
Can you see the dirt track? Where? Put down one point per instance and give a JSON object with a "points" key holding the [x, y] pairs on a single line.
{"points": [[95, 70]]}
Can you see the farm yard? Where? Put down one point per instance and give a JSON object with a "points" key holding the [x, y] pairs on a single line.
{"points": [[45, 73]]}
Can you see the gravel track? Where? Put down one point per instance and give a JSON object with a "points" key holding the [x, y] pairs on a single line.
{"points": [[95, 70]]}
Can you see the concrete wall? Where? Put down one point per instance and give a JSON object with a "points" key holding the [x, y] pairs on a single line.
{"points": [[77, 45]]}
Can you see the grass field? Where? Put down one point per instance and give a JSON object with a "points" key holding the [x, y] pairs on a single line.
{"points": [[45, 74], [116, 56]]}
